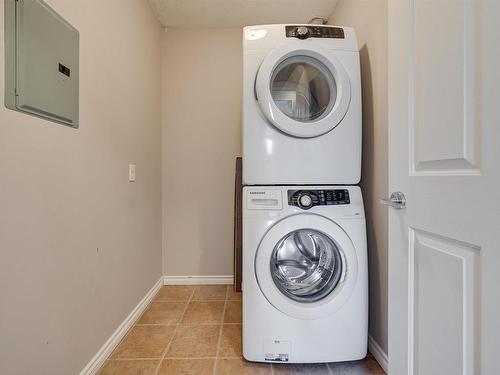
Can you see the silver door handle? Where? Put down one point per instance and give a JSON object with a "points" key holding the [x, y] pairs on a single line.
{"points": [[397, 200]]}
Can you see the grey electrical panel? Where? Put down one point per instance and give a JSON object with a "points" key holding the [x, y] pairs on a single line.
{"points": [[41, 56]]}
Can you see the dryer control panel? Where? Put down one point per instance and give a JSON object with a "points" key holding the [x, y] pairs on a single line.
{"points": [[306, 199], [314, 31]]}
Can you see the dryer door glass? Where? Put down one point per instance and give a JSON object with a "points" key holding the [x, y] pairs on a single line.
{"points": [[306, 265], [303, 88]]}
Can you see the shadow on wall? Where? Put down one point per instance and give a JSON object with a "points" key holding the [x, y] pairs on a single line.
{"points": [[210, 239], [368, 173]]}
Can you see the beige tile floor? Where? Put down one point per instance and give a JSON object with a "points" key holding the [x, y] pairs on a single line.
{"points": [[197, 330]]}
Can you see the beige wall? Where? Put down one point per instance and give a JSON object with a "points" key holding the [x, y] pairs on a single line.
{"points": [[201, 116], [79, 245], [369, 18]]}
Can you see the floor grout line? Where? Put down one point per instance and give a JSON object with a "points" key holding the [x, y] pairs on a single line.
{"points": [[133, 359], [109, 357], [168, 358], [173, 334], [185, 324], [220, 334], [194, 300]]}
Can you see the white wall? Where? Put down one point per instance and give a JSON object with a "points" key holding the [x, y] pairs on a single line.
{"points": [[79, 244], [201, 116], [369, 18]]}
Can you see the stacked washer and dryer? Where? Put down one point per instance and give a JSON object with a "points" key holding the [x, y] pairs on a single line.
{"points": [[305, 287]]}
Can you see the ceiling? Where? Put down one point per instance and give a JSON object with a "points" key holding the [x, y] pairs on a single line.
{"points": [[238, 13]]}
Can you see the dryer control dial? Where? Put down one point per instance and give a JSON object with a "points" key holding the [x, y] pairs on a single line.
{"points": [[302, 32], [314, 31]]}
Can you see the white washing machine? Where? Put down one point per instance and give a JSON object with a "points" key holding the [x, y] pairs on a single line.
{"points": [[305, 291], [301, 105]]}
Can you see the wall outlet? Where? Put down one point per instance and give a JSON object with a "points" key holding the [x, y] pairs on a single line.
{"points": [[131, 172]]}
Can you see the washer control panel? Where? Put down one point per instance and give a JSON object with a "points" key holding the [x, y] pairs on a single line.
{"points": [[306, 199], [314, 31]]}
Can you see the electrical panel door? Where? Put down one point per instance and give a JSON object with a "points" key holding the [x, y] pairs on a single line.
{"points": [[42, 58]]}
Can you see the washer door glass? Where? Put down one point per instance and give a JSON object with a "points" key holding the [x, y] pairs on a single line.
{"points": [[303, 88], [306, 265]]}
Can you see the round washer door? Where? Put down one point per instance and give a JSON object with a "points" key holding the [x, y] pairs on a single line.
{"points": [[302, 92], [306, 266]]}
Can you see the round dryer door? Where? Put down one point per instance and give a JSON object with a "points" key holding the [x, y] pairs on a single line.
{"points": [[306, 266], [304, 93]]}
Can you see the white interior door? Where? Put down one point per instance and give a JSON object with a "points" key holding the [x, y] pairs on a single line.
{"points": [[444, 139]]}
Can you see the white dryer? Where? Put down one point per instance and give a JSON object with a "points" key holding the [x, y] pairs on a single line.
{"points": [[301, 105], [305, 291]]}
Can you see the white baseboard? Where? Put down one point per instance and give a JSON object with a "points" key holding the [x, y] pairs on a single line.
{"points": [[95, 363], [378, 353], [198, 280]]}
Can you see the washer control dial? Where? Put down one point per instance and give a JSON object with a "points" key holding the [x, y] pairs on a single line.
{"points": [[302, 32], [305, 201]]}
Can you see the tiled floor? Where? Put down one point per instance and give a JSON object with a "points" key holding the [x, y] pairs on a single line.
{"points": [[197, 330]]}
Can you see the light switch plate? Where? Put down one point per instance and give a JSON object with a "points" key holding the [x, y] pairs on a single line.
{"points": [[131, 172]]}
